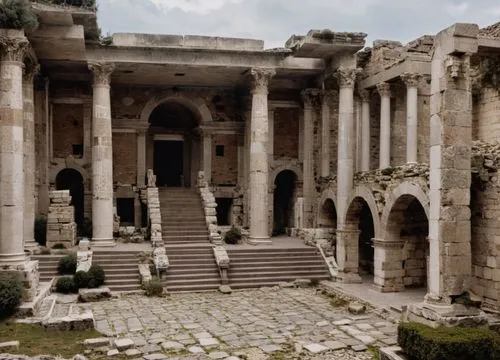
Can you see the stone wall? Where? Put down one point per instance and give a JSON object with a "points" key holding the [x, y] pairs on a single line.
{"points": [[67, 124], [124, 158], [486, 115], [225, 166], [286, 132]]}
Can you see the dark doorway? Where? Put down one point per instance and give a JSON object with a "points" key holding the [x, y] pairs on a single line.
{"points": [[224, 211], [366, 234], [284, 194], [72, 180], [168, 163]]}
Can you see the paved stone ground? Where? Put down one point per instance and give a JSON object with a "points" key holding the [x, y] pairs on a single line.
{"points": [[259, 321]]}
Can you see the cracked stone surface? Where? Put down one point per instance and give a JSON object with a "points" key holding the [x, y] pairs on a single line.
{"points": [[261, 321]]}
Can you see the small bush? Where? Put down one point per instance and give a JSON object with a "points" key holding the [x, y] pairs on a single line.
{"points": [[11, 294], [67, 265], [17, 14], [66, 285], [154, 287], [58, 246], [96, 276], [41, 230], [81, 279], [232, 236], [85, 228], [421, 342]]}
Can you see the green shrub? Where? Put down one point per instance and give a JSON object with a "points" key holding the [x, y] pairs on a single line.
{"points": [[96, 276], [85, 228], [11, 294], [66, 285], [154, 287], [421, 342], [232, 236], [41, 230], [67, 265], [79, 3], [81, 279], [17, 14]]}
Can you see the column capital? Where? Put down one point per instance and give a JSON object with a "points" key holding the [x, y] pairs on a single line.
{"points": [[260, 79], [410, 79], [13, 49], [346, 77], [384, 89], [329, 96], [30, 69], [365, 95], [102, 72], [310, 97]]}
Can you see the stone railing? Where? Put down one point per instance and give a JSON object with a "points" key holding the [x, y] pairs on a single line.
{"points": [[160, 259], [154, 213], [209, 206], [222, 259], [327, 252], [314, 235]]}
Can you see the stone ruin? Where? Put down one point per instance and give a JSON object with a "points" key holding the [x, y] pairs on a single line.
{"points": [[61, 226]]}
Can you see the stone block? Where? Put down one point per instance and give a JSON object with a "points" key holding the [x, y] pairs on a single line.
{"points": [[93, 295], [9, 346], [123, 344], [96, 342], [356, 308]]}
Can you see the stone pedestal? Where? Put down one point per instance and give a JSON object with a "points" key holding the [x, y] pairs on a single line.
{"points": [[411, 81], [389, 271], [445, 315], [61, 226], [258, 159], [384, 89], [348, 255], [102, 157], [365, 130]]}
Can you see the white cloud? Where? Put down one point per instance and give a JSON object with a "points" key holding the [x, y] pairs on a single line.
{"points": [[193, 6]]}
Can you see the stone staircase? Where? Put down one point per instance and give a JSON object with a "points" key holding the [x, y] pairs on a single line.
{"points": [[47, 266], [269, 266], [121, 269]]}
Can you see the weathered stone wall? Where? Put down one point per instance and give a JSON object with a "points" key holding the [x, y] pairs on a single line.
{"points": [[61, 226], [398, 124], [334, 133], [67, 124], [486, 115], [124, 158], [225, 167], [286, 132]]}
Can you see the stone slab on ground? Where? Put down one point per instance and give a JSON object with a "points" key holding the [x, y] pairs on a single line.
{"points": [[96, 342], [123, 344], [92, 295], [9, 345], [315, 348]]}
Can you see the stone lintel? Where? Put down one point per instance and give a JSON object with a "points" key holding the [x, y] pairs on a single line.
{"points": [[417, 64], [459, 38]]}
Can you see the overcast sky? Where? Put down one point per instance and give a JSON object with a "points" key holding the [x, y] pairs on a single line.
{"points": [[275, 20]]}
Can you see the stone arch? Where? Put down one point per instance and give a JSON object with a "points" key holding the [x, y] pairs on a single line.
{"points": [[327, 203], [403, 189], [196, 105], [54, 171], [72, 180], [293, 168], [365, 193]]}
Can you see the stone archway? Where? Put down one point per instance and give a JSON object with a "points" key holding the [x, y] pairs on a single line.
{"points": [[285, 187], [327, 215], [72, 180]]}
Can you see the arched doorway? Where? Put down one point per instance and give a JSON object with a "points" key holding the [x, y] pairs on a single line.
{"points": [[175, 144], [408, 223], [359, 217], [72, 180], [328, 215], [284, 198]]}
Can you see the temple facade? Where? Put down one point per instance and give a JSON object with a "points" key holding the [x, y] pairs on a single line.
{"points": [[389, 152]]}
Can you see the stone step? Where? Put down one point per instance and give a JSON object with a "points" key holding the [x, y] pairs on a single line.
{"points": [[124, 287], [275, 268], [299, 273], [281, 259], [121, 281], [192, 287], [206, 267], [111, 261], [260, 251], [176, 281], [182, 276], [274, 279]]}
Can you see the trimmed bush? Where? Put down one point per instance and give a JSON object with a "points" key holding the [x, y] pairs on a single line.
{"points": [[232, 236], [66, 285], [154, 287], [96, 276], [17, 14], [421, 342], [67, 265], [11, 294], [41, 230], [81, 279]]}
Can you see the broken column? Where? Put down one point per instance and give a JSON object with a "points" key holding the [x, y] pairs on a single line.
{"points": [[259, 167], [61, 226], [102, 157], [384, 89]]}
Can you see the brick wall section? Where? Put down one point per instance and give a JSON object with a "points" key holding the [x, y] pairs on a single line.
{"points": [[225, 168], [67, 122], [486, 116], [286, 133], [125, 158]]}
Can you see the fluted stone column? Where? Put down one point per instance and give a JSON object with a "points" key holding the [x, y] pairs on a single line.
{"points": [[384, 89], [365, 130], [259, 167], [310, 98], [411, 81], [102, 157], [327, 100], [12, 51], [30, 71]]}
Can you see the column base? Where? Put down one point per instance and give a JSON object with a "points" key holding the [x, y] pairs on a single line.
{"points": [[445, 315], [259, 241], [348, 278], [103, 243], [10, 260]]}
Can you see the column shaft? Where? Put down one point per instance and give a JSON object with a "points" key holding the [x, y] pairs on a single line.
{"points": [[365, 131], [11, 151], [207, 157], [102, 157], [259, 167], [385, 125], [326, 104], [411, 81]]}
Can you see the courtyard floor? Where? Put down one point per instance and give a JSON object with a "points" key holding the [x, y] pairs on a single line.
{"points": [[253, 321]]}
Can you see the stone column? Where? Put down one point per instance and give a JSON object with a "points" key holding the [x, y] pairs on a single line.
{"points": [[207, 156], [346, 140], [384, 89], [141, 157], [102, 157], [365, 130], [259, 167], [411, 81], [389, 271], [270, 143], [310, 97], [348, 255], [327, 100], [12, 51], [30, 70]]}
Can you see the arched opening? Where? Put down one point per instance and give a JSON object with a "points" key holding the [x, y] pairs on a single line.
{"points": [[175, 144], [72, 180], [408, 223], [284, 198], [359, 217], [328, 215]]}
